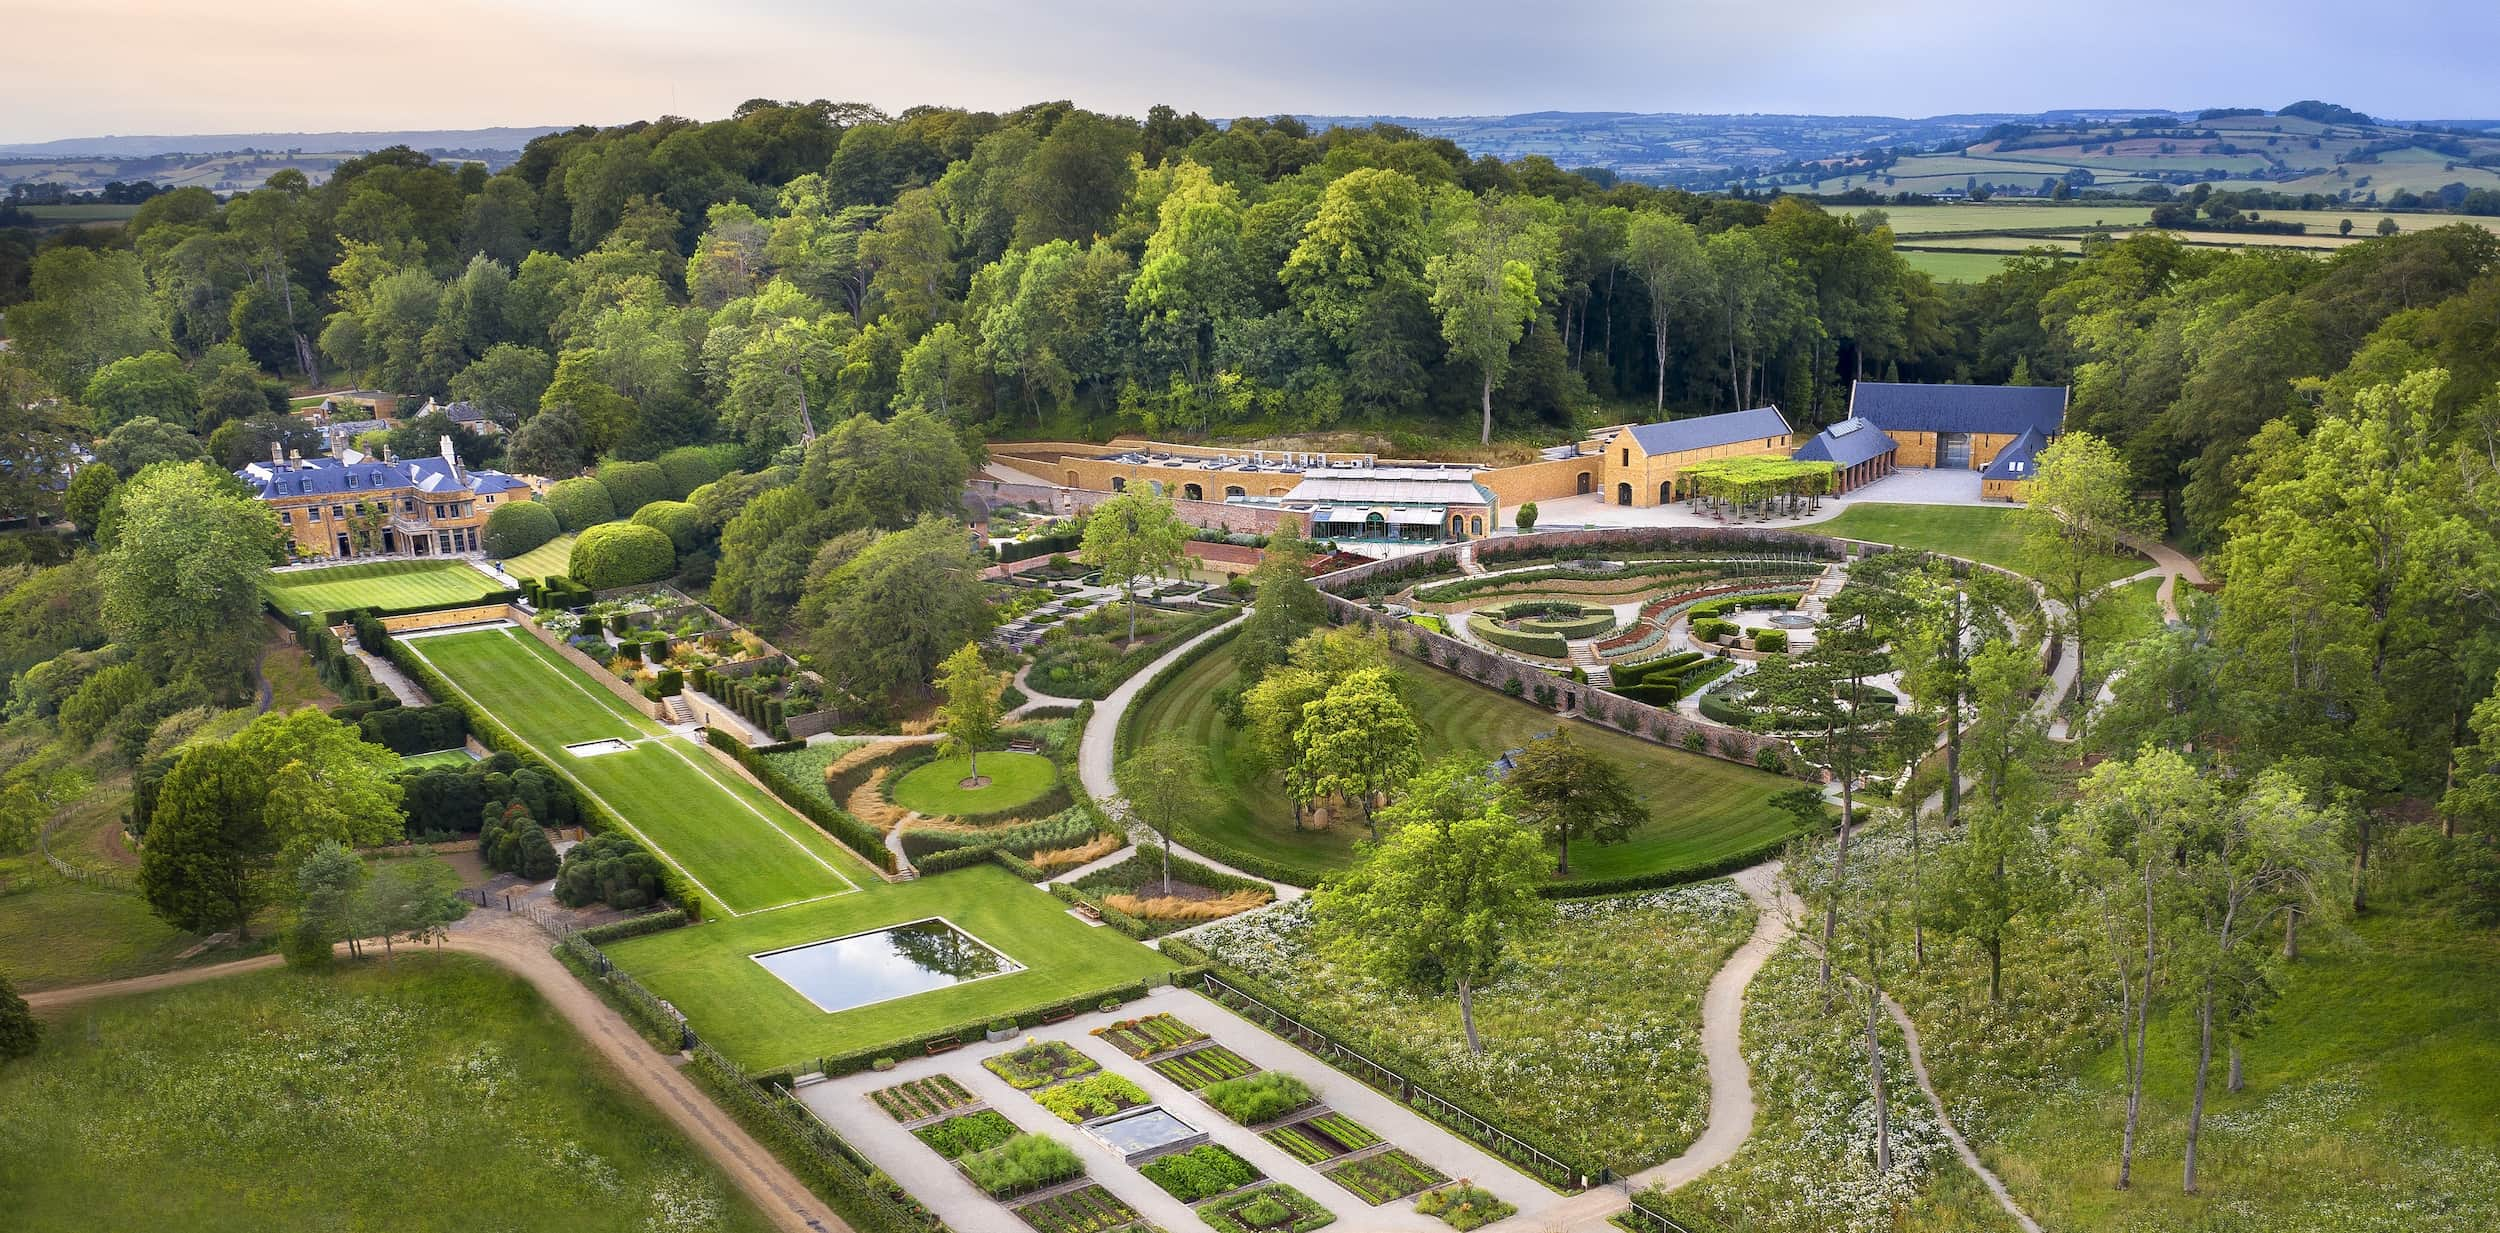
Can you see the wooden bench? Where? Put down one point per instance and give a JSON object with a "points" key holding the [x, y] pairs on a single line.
{"points": [[948, 1045], [1024, 745], [1060, 1017], [1088, 911]]}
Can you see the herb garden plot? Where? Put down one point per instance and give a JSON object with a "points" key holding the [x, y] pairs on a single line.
{"points": [[1150, 1035], [1083, 1100], [1039, 1064], [921, 1098], [1392, 1174], [1201, 1173], [957, 1137], [1269, 1209], [1091, 1209], [1325, 1137], [1200, 1067]]}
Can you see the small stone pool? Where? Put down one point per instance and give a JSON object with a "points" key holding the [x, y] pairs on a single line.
{"points": [[1141, 1133], [1792, 620], [898, 961]]}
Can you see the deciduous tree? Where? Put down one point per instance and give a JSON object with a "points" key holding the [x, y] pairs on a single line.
{"points": [[1561, 787]]}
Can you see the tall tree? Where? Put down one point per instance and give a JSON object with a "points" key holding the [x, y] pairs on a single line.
{"points": [[1566, 790], [1131, 536], [1665, 252], [20, 1031], [2082, 510], [969, 716], [886, 618], [1356, 741], [1165, 782], [206, 841], [2121, 846], [1486, 288], [1284, 606], [181, 583], [1441, 899]]}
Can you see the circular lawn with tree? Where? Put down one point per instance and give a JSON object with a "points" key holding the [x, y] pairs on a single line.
{"points": [[940, 788]]}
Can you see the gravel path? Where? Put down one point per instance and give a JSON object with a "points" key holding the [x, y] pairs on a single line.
{"points": [[504, 939]]}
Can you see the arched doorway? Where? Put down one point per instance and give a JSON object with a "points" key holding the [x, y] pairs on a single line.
{"points": [[1192, 492], [1375, 526], [1584, 483], [1234, 490], [1458, 524], [1156, 486], [1119, 483], [1666, 491], [1623, 494], [1476, 525]]}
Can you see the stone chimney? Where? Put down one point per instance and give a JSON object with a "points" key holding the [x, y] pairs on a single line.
{"points": [[451, 459], [277, 456], [294, 459], [386, 452]]}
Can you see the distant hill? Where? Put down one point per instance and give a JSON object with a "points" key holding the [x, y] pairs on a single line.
{"points": [[223, 143]]}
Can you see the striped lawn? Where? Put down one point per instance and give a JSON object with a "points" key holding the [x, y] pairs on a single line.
{"points": [[745, 850], [378, 584]]}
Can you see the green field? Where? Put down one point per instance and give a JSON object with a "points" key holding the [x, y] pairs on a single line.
{"points": [[553, 557], [744, 849], [378, 584], [1015, 778], [1909, 221], [751, 1015], [55, 932], [432, 1093], [84, 212], [1703, 809], [1987, 533], [1955, 267]]}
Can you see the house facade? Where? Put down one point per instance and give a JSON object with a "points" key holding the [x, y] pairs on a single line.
{"points": [[1958, 427], [352, 504], [1642, 464]]}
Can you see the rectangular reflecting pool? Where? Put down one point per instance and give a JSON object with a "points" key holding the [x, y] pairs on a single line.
{"points": [[878, 966], [1140, 1133]]}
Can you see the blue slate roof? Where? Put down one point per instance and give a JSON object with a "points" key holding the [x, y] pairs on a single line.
{"points": [[2017, 461], [359, 475], [2009, 409], [1704, 431], [1846, 444]]}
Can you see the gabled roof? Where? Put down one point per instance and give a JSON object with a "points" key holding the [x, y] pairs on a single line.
{"points": [[358, 475], [2011, 409], [1390, 486], [1704, 431], [2019, 460], [1846, 444]]}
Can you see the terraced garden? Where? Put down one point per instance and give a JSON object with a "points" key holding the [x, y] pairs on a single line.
{"points": [[1702, 809], [379, 584]]}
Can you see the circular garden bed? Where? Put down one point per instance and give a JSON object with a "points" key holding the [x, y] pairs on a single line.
{"points": [[936, 788]]}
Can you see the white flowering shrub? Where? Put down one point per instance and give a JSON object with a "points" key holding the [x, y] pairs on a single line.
{"points": [[1592, 1034]]}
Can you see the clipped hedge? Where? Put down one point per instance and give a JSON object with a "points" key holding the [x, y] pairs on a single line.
{"points": [[621, 554], [976, 1031], [647, 923], [852, 833], [581, 503], [1549, 646], [675, 519], [689, 467], [1770, 640], [632, 485], [517, 527]]}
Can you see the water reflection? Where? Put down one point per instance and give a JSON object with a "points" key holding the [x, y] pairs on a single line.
{"points": [[865, 968]]}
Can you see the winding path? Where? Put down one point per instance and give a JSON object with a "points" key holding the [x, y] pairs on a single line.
{"points": [[504, 939]]}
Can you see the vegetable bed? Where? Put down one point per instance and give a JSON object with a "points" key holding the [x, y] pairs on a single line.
{"points": [[1325, 1137], [1200, 1067], [905, 1102], [957, 1137], [1152, 1034], [1202, 1172], [1035, 1065], [1088, 1210], [1390, 1175], [1086, 1099]]}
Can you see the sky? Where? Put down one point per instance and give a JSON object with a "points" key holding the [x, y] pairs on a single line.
{"points": [[75, 68]]}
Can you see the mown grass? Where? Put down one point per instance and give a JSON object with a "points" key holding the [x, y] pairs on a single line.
{"points": [[1991, 534], [377, 584], [1701, 809], [432, 1093], [553, 557], [935, 788], [751, 1015], [734, 840], [55, 932]]}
